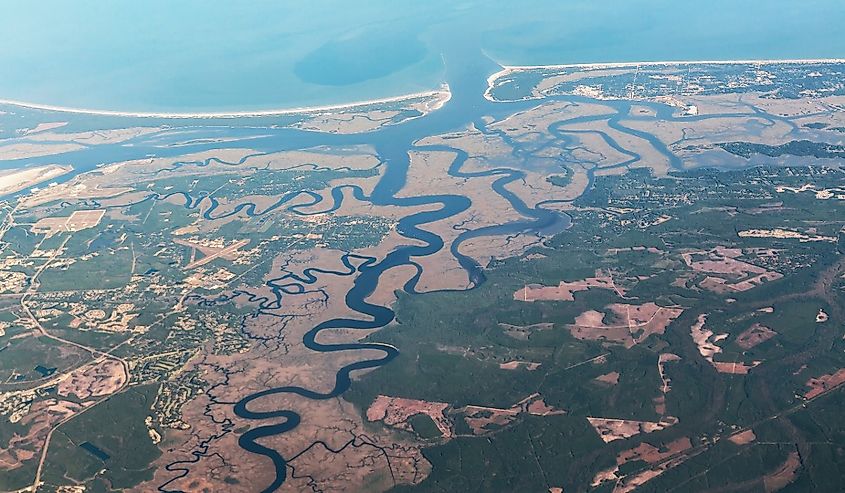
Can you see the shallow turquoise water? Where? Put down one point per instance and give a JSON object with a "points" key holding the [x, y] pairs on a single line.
{"points": [[194, 55]]}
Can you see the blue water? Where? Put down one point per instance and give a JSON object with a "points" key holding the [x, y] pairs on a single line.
{"points": [[193, 55], [95, 451]]}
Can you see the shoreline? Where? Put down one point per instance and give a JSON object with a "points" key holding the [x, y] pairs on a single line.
{"points": [[509, 69], [14, 180], [441, 95]]}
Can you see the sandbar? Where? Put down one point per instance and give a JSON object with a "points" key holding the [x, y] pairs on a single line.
{"points": [[12, 181], [442, 94]]}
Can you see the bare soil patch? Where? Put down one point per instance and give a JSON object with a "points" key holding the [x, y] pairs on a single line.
{"points": [[705, 339], [824, 383], [754, 335], [734, 274], [610, 429], [519, 365], [565, 290], [743, 437], [395, 412], [611, 378], [77, 221], [783, 475], [485, 420], [94, 380], [627, 325]]}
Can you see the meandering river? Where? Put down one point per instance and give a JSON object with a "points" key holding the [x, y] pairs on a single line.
{"points": [[467, 69]]}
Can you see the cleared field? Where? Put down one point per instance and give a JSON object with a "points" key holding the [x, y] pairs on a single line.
{"points": [[77, 221]]}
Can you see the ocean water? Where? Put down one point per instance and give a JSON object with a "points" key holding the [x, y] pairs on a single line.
{"points": [[198, 56]]}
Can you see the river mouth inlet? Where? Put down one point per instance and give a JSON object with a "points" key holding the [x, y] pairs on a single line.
{"points": [[319, 56]]}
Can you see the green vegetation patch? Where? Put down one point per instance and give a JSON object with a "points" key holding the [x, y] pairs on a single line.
{"points": [[115, 427], [799, 148], [424, 426], [561, 179]]}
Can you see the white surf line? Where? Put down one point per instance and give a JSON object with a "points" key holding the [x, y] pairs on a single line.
{"points": [[442, 95], [510, 69]]}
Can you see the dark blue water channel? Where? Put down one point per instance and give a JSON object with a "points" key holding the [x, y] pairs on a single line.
{"points": [[467, 70]]}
